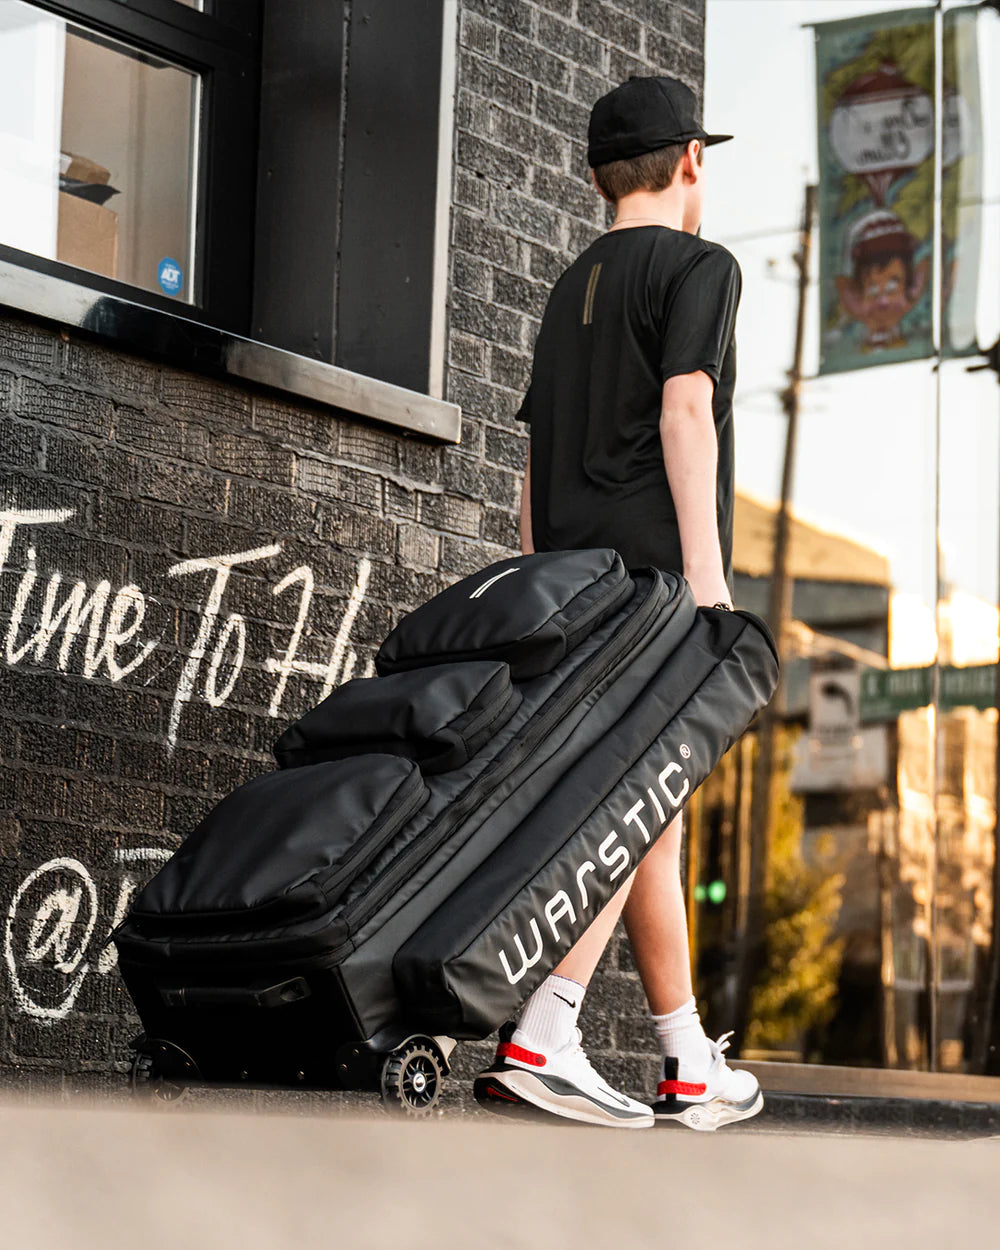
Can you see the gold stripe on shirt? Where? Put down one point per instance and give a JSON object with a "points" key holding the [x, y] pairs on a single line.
{"points": [[588, 303]]}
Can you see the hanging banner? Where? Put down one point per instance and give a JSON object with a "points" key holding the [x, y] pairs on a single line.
{"points": [[876, 130], [962, 182]]}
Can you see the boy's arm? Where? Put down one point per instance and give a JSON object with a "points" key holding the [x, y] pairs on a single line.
{"points": [[690, 455], [527, 545]]}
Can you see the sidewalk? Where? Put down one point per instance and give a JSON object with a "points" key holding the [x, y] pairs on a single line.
{"points": [[93, 1177]]}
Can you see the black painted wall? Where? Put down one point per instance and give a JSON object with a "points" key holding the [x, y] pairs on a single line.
{"points": [[186, 565]]}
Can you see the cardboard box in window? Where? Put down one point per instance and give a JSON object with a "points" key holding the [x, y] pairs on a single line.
{"points": [[88, 230], [88, 235]]}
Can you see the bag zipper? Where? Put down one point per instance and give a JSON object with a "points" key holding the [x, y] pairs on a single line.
{"points": [[620, 591], [353, 917]]}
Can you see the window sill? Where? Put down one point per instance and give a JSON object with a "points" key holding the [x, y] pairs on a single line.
{"points": [[191, 345]]}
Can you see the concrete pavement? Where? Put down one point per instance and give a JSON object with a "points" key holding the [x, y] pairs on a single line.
{"points": [[91, 1176]]}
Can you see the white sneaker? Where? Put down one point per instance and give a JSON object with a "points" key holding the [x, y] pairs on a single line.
{"points": [[723, 1095], [562, 1083]]}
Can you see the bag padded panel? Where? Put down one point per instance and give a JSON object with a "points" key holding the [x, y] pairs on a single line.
{"points": [[484, 950], [285, 842], [439, 717], [530, 611]]}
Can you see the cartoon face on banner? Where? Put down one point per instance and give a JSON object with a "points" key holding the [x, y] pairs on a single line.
{"points": [[875, 81], [882, 283]]}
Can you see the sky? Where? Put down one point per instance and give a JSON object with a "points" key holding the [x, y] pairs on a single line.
{"points": [[867, 447]]}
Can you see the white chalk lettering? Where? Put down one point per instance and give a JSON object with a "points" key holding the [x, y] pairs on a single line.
{"points": [[222, 567], [49, 613]]}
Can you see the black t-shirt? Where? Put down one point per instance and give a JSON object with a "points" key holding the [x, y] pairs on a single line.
{"points": [[640, 305]]}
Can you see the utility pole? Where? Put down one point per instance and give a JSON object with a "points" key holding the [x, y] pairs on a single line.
{"points": [[986, 1055], [751, 942]]}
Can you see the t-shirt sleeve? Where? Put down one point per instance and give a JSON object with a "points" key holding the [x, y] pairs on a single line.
{"points": [[701, 315]]}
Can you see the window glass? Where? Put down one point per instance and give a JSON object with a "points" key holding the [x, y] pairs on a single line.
{"points": [[98, 149]]}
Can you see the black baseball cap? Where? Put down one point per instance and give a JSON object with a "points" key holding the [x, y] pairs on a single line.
{"points": [[642, 115]]}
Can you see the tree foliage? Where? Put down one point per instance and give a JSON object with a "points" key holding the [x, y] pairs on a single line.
{"points": [[798, 987]]}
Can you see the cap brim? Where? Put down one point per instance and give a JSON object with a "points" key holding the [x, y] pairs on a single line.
{"points": [[710, 139]]}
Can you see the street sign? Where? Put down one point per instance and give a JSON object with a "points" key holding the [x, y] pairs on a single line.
{"points": [[887, 692]]}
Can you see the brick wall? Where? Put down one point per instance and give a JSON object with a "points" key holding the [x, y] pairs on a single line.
{"points": [[185, 565], [524, 208]]}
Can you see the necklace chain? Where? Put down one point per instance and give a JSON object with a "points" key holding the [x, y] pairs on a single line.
{"points": [[654, 220]]}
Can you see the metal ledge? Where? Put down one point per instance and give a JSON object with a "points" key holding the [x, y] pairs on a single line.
{"points": [[191, 345]]}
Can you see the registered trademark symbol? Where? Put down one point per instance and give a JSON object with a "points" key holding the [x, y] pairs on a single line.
{"points": [[685, 750]]}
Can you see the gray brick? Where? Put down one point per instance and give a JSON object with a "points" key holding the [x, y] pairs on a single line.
{"points": [[460, 557], [107, 369], [479, 317], [495, 83], [544, 145], [588, 87], [478, 34], [160, 432], [609, 24], [529, 217], [472, 112], [321, 478], [506, 448], [414, 545], [251, 457], [570, 42], [526, 58], [20, 445], [546, 263], [623, 65], [204, 398], [472, 191], [286, 422], [500, 526], [567, 116], [451, 513], [62, 405], [488, 160], [362, 532], [521, 294], [366, 445], [486, 240], [515, 15], [465, 351], [26, 344]]}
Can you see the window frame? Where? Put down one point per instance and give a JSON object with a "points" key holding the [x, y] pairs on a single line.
{"points": [[224, 52], [265, 268]]}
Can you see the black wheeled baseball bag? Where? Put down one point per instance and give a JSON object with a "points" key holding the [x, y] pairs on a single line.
{"points": [[437, 838]]}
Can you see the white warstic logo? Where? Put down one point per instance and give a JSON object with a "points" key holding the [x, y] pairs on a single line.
{"points": [[613, 854]]}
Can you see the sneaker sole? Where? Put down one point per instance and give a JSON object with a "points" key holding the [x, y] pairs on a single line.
{"points": [[706, 1117], [522, 1095]]}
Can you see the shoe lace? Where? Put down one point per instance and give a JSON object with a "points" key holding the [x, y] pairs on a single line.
{"points": [[719, 1048]]}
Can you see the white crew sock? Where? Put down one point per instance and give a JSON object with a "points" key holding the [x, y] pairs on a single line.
{"points": [[548, 1018], [682, 1037]]}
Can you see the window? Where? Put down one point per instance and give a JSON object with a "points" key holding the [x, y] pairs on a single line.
{"points": [[238, 163], [128, 148]]}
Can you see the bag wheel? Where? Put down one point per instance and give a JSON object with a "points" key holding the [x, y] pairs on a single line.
{"points": [[413, 1077], [147, 1079]]}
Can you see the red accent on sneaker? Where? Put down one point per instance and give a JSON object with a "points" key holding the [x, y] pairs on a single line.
{"points": [[493, 1092], [680, 1087], [507, 1050]]}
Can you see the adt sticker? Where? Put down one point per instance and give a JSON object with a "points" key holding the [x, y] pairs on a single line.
{"points": [[171, 276]]}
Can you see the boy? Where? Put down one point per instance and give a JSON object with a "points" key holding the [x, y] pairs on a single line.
{"points": [[630, 414]]}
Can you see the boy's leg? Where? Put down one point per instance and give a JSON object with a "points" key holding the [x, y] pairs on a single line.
{"points": [[696, 1086], [541, 1062]]}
